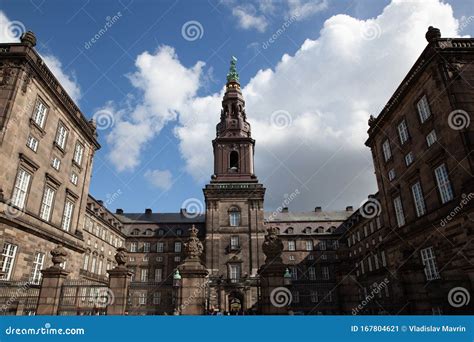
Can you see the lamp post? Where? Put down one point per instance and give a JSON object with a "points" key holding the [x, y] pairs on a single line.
{"points": [[287, 277], [176, 287]]}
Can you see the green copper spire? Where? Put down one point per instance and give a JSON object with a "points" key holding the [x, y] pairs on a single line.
{"points": [[233, 75]]}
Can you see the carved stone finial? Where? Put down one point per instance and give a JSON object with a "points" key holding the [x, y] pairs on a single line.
{"points": [[233, 75], [121, 256], [272, 246], [28, 38], [59, 255], [432, 34], [371, 120], [193, 247]]}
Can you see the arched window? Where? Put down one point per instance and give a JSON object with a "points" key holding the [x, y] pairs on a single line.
{"points": [[289, 230], [234, 161], [320, 230], [234, 217], [135, 232], [149, 232]]}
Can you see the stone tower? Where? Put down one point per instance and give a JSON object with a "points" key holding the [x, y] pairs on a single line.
{"points": [[234, 206]]}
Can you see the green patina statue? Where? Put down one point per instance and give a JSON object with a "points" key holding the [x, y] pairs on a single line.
{"points": [[233, 75]]}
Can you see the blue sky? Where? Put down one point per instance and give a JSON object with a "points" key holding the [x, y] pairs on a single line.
{"points": [[104, 72]]}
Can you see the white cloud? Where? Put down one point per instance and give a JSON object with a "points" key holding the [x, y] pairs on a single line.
{"points": [[11, 31], [329, 88], [248, 19], [161, 179], [304, 9]]}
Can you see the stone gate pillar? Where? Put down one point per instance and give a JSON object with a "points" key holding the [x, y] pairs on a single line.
{"points": [[119, 283], [275, 295], [51, 284], [192, 290]]}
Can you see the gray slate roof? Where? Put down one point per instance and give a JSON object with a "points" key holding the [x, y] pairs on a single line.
{"points": [[159, 218]]}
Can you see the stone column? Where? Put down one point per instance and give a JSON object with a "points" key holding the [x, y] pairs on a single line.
{"points": [[192, 291], [119, 283], [51, 284], [275, 296]]}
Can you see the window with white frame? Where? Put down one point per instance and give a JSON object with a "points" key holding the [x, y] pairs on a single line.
{"points": [[67, 215], [38, 263], [133, 247], [431, 138], [384, 260], [429, 261], [39, 113], [158, 274], [144, 275], [403, 132], [146, 247], [314, 296], [61, 136], [309, 245], [8, 259], [369, 261], [47, 203], [179, 232], [93, 264], [325, 272], [157, 298], [159, 247], [32, 143], [294, 272], [418, 199], [101, 265], [177, 258], [387, 152], [78, 153], [391, 174], [142, 298], [85, 265], [322, 245], [423, 109], [234, 242], [399, 214], [74, 178], [56, 163], [234, 272], [311, 273], [177, 247], [409, 158], [444, 185], [21, 188], [234, 217], [291, 245]]}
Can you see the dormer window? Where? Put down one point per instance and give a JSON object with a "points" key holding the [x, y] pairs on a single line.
{"points": [[234, 161], [135, 232], [289, 230], [234, 217], [179, 232]]}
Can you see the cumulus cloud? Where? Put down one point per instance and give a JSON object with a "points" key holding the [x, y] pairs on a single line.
{"points": [[247, 18], [304, 9], [162, 179], [308, 114], [11, 31]]}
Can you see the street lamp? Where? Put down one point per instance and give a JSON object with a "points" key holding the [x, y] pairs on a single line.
{"points": [[176, 286], [176, 279], [287, 277]]}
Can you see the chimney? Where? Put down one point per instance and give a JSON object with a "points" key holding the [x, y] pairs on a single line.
{"points": [[317, 209], [119, 211], [284, 210], [148, 211], [349, 208]]}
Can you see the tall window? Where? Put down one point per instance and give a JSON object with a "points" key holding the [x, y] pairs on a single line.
{"points": [[309, 245], [159, 247], [234, 217], [325, 272], [409, 158], [314, 296], [158, 274], [311, 273], [8, 256], [177, 247], [384, 260], [85, 265], [431, 138], [418, 199], [32, 143], [444, 185], [429, 261], [67, 215], [234, 160], [144, 275], [387, 152], [294, 272], [397, 204], [146, 247], [234, 242], [56, 163], [21, 188], [322, 245], [403, 132], [423, 109], [101, 265], [93, 264], [61, 135], [234, 274], [47, 203], [142, 298], [39, 114], [157, 298], [291, 245], [78, 153], [133, 247]]}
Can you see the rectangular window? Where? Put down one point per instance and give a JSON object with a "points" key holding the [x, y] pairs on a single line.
{"points": [[384, 261], [291, 245], [309, 245], [157, 298], [403, 132], [146, 247], [409, 158], [8, 256], [177, 247], [234, 242], [325, 272], [93, 264], [362, 267], [78, 153], [376, 260], [74, 178], [144, 275], [101, 265], [379, 222], [21, 187], [56, 163], [365, 231], [294, 272], [159, 247], [329, 297], [32, 143], [391, 175], [67, 215], [311, 273], [47, 204], [142, 298], [372, 226], [314, 296], [444, 185], [322, 245], [387, 152], [429, 261], [234, 218], [418, 199], [133, 247], [86, 262], [423, 109], [39, 114], [177, 258], [158, 274], [397, 204], [431, 138], [37, 267], [61, 136], [234, 273], [369, 260]]}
